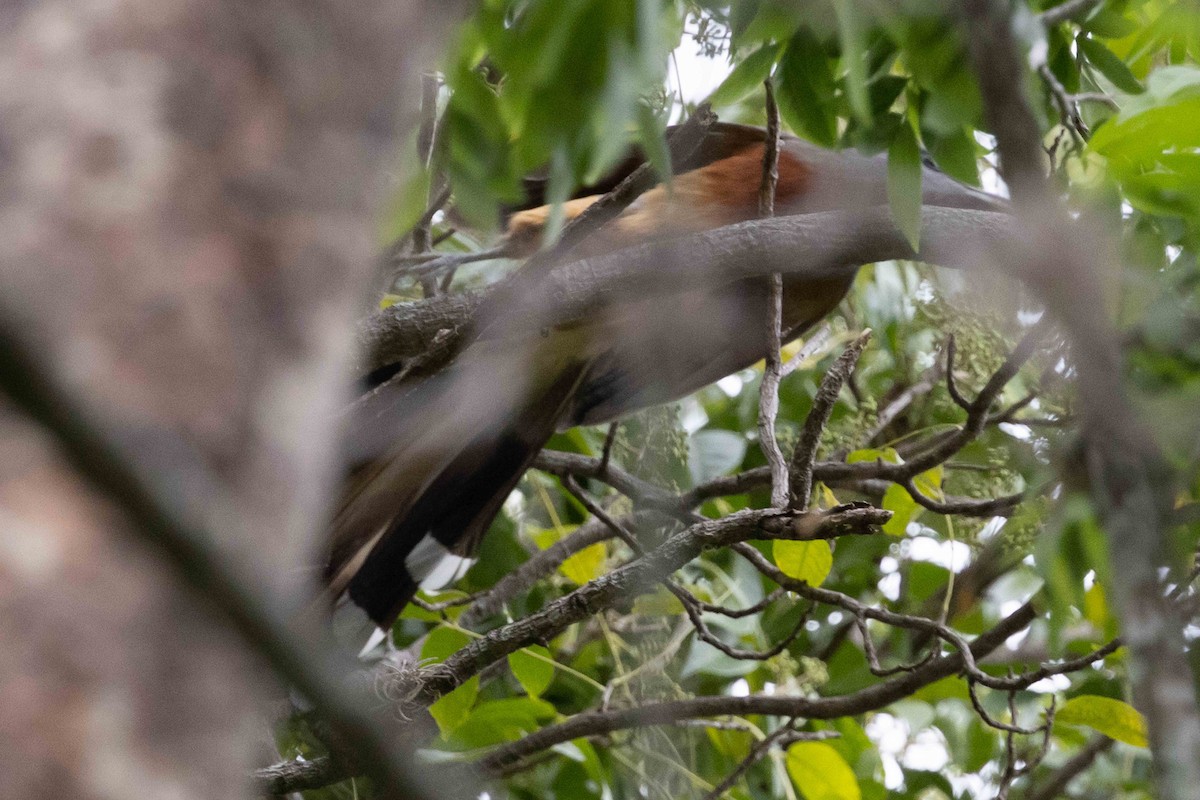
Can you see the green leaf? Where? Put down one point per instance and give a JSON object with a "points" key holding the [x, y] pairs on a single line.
{"points": [[854, 57], [406, 206], [820, 773], [770, 21], [654, 142], [805, 561], [888, 455], [451, 710], [586, 565], [1095, 607], [898, 501], [954, 154], [503, 720], [533, 668], [883, 92], [806, 90], [1113, 718], [747, 76], [929, 482], [924, 580], [1110, 65], [442, 642], [904, 184], [1110, 23], [733, 743], [659, 604]]}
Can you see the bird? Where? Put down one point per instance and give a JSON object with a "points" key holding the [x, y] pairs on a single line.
{"points": [[435, 457]]}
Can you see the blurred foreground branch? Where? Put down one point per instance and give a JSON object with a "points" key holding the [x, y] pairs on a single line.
{"points": [[298, 657], [1129, 482], [822, 245]]}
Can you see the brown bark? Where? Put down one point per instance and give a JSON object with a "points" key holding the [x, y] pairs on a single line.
{"points": [[187, 193]]}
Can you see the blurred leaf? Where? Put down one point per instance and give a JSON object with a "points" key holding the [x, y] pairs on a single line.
{"points": [[1113, 718], [883, 91], [904, 184], [733, 743], [805, 561], [1154, 122], [925, 579], [703, 658], [451, 710], [934, 52], [746, 76], [533, 667], [952, 688], [850, 30], [505, 720], [955, 154], [770, 21], [659, 604], [1062, 60], [1095, 608], [653, 138], [806, 89], [1108, 22], [1109, 65], [443, 642], [820, 773], [407, 206], [713, 452], [923, 783]]}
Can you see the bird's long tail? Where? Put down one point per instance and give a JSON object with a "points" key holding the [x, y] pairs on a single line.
{"points": [[414, 516]]}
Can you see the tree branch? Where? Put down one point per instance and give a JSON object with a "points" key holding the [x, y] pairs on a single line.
{"points": [[823, 245], [310, 664], [623, 584], [1058, 781], [596, 723], [805, 451], [1130, 485]]}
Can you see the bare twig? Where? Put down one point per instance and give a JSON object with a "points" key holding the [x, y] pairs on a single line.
{"points": [[919, 623], [1057, 781], [1013, 769], [870, 698], [538, 566], [636, 577], [610, 439], [768, 393], [951, 383], [748, 611], [872, 655], [770, 170], [691, 607], [819, 338], [1068, 103], [965, 506], [426, 135], [805, 452], [781, 737]]}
